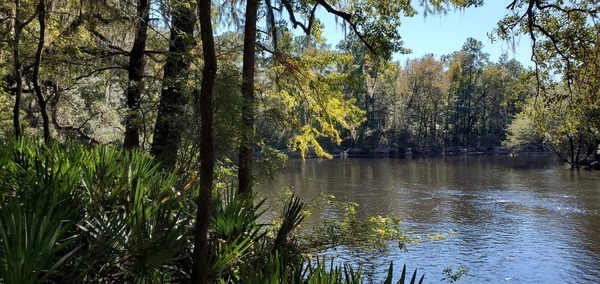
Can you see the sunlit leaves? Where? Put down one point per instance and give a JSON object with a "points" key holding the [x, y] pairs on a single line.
{"points": [[308, 95], [424, 87], [5, 113], [521, 132], [566, 44]]}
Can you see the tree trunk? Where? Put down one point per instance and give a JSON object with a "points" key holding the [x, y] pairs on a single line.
{"points": [[169, 120], [136, 74], [18, 29], [572, 152], [41, 10], [200, 267], [247, 144]]}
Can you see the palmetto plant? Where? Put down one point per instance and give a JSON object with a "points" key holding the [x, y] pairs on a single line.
{"points": [[37, 237], [140, 220], [73, 214], [235, 233], [39, 213]]}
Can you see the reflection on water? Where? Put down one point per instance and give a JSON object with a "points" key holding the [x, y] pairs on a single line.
{"points": [[518, 219]]}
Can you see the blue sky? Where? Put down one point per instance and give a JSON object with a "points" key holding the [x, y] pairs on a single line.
{"points": [[444, 34]]}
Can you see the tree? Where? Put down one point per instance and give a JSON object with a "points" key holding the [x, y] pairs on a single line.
{"points": [[247, 87], [201, 249], [18, 26], [503, 93], [302, 95], [173, 99], [466, 68], [521, 132], [135, 71], [425, 87], [41, 13], [566, 52], [59, 59], [87, 53]]}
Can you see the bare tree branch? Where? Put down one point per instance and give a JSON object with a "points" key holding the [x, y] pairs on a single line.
{"points": [[79, 129], [108, 42], [512, 5], [348, 19], [97, 71], [330, 9], [271, 23], [566, 11], [292, 16], [284, 60]]}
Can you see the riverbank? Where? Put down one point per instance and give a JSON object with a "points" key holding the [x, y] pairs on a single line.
{"points": [[405, 152]]}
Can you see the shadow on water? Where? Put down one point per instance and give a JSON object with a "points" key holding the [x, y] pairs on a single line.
{"points": [[524, 219]]}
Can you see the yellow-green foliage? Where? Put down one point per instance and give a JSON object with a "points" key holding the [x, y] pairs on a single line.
{"points": [[344, 226], [5, 114], [522, 132], [308, 96]]}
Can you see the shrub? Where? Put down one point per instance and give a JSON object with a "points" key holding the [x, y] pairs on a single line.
{"points": [[72, 214]]}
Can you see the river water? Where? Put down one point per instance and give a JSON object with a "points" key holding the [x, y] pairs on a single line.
{"points": [[525, 219]]}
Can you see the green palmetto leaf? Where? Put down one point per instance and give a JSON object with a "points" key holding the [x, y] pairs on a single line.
{"points": [[142, 223], [236, 215], [402, 280], [322, 272], [35, 240], [292, 217], [236, 233], [38, 212], [74, 214], [390, 274]]}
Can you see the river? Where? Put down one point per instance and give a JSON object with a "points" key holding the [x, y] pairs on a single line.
{"points": [[524, 219]]}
